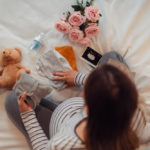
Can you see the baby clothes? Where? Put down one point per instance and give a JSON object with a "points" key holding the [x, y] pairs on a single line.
{"points": [[35, 90], [49, 62]]}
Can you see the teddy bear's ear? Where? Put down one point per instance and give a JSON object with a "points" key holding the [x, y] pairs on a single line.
{"points": [[18, 49]]}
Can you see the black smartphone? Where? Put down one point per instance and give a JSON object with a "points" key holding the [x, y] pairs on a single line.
{"points": [[91, 57]]}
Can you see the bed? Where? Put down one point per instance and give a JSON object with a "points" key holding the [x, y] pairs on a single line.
{"points": [[124, 27]]}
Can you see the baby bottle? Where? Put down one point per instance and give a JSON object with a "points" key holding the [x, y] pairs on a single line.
{"points": [[38, 42]]}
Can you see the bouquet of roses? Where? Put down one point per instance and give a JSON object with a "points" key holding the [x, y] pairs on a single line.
{"points": [[82, 24]]}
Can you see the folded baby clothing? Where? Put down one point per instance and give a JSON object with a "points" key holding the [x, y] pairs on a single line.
{"points": [[35, 90], [54, 60]]}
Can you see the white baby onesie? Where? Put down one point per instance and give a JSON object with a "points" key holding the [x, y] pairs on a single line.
{"points": [[49, 62]]}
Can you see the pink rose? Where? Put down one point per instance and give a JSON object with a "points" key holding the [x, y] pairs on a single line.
{"points": [[92, 13], [76, 19], [63, 19], [63, 26], [84, 42], [75, 35], [92, 30]]}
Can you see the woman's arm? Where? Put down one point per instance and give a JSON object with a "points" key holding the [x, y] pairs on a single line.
{"points": [[80, 79], [71, 77], [36, 134], [145, 109], [140, 124]]}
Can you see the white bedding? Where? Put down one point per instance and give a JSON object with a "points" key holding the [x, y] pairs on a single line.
{"points": [[124, 28]]}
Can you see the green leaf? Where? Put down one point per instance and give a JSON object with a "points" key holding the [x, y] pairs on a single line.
{"points": [[76, 7], [68, 15], [97, 21], [87, 4], [100, 15], [82, 27]]}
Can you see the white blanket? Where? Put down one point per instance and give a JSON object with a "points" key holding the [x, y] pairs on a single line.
{"points": [[124, 28]]}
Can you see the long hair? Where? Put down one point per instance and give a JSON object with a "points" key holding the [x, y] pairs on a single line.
{"points": [[111, 98]]}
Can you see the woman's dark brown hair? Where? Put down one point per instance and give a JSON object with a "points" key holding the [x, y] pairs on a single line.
{"points": [[111, 98]]}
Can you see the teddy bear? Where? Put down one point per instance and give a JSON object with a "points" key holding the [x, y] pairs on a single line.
{"points": [[10, 67]]}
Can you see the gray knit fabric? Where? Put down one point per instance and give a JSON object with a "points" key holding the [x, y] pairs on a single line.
{"points": [[49, 62], [112, 55], [35, 90]]}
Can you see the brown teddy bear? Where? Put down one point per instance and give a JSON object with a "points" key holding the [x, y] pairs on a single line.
{"points": [[10, 67]]}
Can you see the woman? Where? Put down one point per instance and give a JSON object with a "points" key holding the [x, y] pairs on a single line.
{"points": [[103, 120]]}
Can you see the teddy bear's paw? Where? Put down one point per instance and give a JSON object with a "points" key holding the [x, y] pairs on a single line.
{"points": [[27, 71]]}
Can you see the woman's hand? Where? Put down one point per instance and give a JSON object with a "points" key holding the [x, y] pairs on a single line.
{"points": [[23, 106], [67, 76]]}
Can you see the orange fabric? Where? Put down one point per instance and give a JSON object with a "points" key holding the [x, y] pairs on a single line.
{"points": [[68, 53]]}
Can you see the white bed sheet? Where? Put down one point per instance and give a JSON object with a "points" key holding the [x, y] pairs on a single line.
{"points": [[124, 28]]}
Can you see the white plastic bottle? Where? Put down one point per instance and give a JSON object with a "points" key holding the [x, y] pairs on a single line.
{"points": [[37, 43]]}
